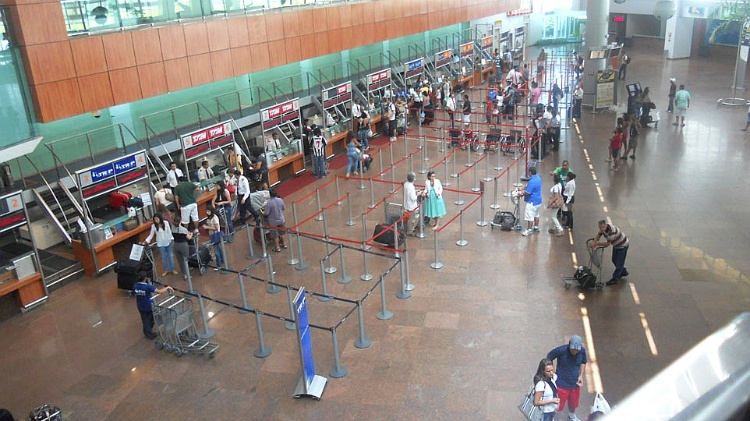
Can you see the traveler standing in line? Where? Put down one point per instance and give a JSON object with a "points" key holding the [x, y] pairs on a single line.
{"points": [[184, 195], [319, 153], [243, 191], [619, 241], [577, 100], [163, 232], [434, 203], [356, 113], [450, 107], [571, 367], [681, 103], [672, 92], [143, 299], [411, 203], [181, 247], [352, 155], [569, 194], [223, 201], [275, 208], [533, 198], [635, 131], [467, 111], [556, 196], [214, 231], [545, 389], [391, 114], [173, 175]]}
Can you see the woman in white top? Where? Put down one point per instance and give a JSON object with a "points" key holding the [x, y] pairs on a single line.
{"points": [[570, 198], [164, 239], [434, 205], [545, 390], [214, 230], [556, 195]]}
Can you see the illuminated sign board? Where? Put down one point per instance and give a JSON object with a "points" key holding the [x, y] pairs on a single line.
{"points": [[111, 175], [279, 113], [337, 95], [467, 50], [414, 68], [443, 58]]}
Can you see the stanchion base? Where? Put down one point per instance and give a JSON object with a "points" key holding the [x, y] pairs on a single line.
{"points": [[409, 287], [517, 184], [362, 344], [325, 297], [337, 204], [345, 279], [482, 223], [362, 187], [224, 272], [454, 175], [274, 289], [475, 189], [292, 262], [262, 353], [423, 171], [318, 218], [427, 158], [330, 270], [421, 235], [302, 266], [338, 373], [350, 223], [245, 311], [208, 334], [461, 243], [290, 325], [371, 207], [498, 168], [366, 277], [385, 315], [447, 183], [468, 164], [436, 265], [253, 256], [487, 179], [403, 295], [458, 202], [494, 206]]}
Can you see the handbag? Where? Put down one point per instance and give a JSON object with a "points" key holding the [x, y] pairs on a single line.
{"points": [[528, 409], [555, 202]]}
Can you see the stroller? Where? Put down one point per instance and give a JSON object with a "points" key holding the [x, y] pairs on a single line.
{"points": [[589, 276]]}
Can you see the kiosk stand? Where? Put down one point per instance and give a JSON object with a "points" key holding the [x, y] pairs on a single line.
{"points": [[284, 120], [337, 101], [377, 84], [20, 271]]}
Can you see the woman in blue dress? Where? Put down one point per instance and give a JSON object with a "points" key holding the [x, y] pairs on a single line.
{"points": [[434, 205], [352, 154]]}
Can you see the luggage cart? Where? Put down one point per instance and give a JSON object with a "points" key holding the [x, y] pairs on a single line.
{"points": [[148, 254], [508, 142], [394, 212], [596, 255], [508, 221], [197, 257], [223, 218], [173, 320]]}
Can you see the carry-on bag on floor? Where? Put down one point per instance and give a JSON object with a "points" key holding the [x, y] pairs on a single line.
{"points": [[386, 238], [131, 271], [504, 219], [197, 260]]}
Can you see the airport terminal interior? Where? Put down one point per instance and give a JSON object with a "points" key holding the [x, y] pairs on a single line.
{"points": [[465, 342]]}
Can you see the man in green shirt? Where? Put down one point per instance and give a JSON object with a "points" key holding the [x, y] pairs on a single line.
{"points": [[184, 195], [681, 104], [562, 171]]}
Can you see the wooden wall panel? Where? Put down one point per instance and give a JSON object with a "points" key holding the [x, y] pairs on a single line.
{"points": [[320, 20], [308, 47], [96, 92], [242, 60], [221, 65], [306, 24], [177, 73], [218, 35], [172, 40], [277, 53], [147, 46], [153, 79], [321, 44], [196, 39], [274, 26], [125, 85], [293, 50], [49, 62], [88, 55], [358, 14], [261, 59], [395, 10], [256, 28], [368, 36], [380, 31], [200, 69], [238, 36], [334, 39], [42, 23], [291, 24], [49, 104], [350, 37], [118, 49], [333, 17], [345, 15]]}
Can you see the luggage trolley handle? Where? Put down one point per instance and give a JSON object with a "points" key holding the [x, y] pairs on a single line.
{"points": [[591, 241]]}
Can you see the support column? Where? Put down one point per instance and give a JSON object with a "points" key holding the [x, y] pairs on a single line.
{"points": [[597, 26], [679, 37]]}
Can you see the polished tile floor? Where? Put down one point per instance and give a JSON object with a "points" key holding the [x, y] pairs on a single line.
{"points": [[467, 342]]}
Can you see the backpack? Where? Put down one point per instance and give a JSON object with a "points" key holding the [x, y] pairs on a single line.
{"points": [[585, 277]]}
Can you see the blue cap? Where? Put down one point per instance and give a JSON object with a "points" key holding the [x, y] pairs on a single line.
{"points": [[575, 342]]}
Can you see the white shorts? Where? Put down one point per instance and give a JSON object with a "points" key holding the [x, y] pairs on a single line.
{"points": [[531, 212], [189, 212], [680, 112]]}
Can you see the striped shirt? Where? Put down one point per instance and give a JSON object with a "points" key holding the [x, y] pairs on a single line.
{"points": [[615, 237]]}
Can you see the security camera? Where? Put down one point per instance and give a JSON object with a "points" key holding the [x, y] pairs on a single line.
{"points": [[96, 114], [665, 9]]}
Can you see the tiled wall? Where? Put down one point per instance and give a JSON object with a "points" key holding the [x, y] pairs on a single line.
{"points": [[71, 76]]}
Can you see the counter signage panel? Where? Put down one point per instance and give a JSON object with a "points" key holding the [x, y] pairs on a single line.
{"points": [[378, 80], [337, 95], [112, 174], [280, 113], [11, 204], [206, 135], [12, 220], [519, 31], [467, 50], [505, 37], [487, 43], [413, 68], [443, 58]]}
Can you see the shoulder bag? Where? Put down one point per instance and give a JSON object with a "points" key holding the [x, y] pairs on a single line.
{"points": [[529, 410], [555, 202]]}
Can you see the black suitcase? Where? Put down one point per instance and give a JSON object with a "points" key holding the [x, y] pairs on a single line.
{"points": [[585, 277], [429, 115], [204, 256], [505, 220], [125, 281], [386, 238], [131, 271], [455, 135]]}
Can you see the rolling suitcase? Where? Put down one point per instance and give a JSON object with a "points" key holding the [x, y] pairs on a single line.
{"points": [[386, 238], [131, 271], [199, 260]]}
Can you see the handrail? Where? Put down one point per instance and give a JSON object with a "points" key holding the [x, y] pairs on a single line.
{"points": [[85, 211], [49, 187]]}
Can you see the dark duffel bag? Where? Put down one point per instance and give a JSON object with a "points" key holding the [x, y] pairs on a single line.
{"points": [[585, 277], [506, 220], [204, 255], [133, 267], [386, 238], [125, 281]]}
